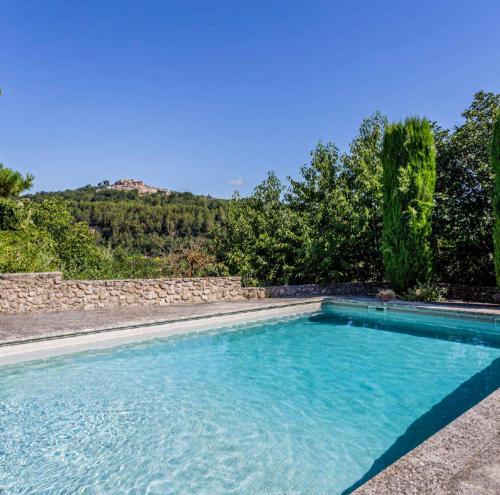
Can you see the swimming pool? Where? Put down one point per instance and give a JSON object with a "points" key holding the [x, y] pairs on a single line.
{"points": [[298, 405]]}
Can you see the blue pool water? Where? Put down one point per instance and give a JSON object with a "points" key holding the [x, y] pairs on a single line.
{"points": [[305, 405]]}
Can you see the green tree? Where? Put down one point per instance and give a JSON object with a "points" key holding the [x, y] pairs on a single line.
{"points": [[12, 183], [363, 172], [323, 228], [463, 216], [339, 198], [495, 162], [27, 250], [320, 199], [409, 175], [260, 237]]}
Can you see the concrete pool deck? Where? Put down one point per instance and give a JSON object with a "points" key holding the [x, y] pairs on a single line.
{"points": [[462, 458], [26, 327]]}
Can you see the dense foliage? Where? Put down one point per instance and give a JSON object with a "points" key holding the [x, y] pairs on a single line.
{"points": [[363, 169], [37, 236], [409, 177], [495, 162], [463, 215], [150, 224], [261, 237], [43, 237], [323, 226], [330, 220]]}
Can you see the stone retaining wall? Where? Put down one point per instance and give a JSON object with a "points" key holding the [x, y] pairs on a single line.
{"points": [[50, 292], [468, 293], [452, 292], [348, 288]]}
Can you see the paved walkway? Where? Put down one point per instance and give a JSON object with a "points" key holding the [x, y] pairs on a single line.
{"points": [[482, 475], [28, 326]]}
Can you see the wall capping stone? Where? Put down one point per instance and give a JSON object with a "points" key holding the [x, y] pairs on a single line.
{"points": [[29, 275]]}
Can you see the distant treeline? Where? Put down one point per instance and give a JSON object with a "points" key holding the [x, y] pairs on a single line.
{"points": [[150, 224]]}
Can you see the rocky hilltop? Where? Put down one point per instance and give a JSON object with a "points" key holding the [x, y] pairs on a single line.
{"points": [[136, 185]]}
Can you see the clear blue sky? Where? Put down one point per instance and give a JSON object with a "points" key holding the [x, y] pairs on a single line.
{"points": [[191, 95]]}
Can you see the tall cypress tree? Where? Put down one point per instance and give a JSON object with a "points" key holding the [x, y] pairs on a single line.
{"points": [[495, 160], [409, 177]]}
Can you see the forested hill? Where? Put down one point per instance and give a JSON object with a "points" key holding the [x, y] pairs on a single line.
{"points": [[150, 224]]}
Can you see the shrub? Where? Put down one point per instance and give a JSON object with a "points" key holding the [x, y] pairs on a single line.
{"points": [[12, 214], [425, 293], [119, 264], [27, 250], [44, 236], [409, 176]]}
